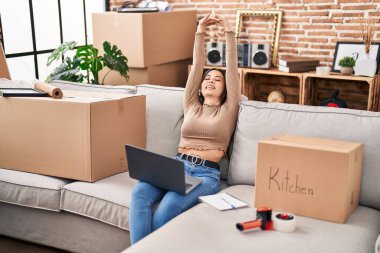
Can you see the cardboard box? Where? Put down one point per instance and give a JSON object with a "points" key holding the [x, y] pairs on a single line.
{"points": [[4, 72], [81, 136], [167, 74], [147, 38], [318, 178]]}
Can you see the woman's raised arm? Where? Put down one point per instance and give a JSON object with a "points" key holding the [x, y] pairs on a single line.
{"points": [[195, 76], [232, 74]]}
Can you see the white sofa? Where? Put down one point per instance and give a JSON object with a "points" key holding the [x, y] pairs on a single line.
{"points": [[93, 217]]}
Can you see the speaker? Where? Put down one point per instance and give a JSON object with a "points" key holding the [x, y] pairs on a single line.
{"points": [[243, 52], [260, 56], [215, 53]]}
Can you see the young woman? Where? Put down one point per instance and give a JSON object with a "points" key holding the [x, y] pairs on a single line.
{"points": [[211, 106]]}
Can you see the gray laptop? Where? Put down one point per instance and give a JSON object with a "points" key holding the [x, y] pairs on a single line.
{"points": [[164, 172]]}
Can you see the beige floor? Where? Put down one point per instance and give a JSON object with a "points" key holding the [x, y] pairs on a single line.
{"points": [[10, 245]]}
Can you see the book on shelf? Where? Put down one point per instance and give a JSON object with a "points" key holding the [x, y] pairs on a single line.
{"points": [[296, 69], [223, 201], [298, 62]]}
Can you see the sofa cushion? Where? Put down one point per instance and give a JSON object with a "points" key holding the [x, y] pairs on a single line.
{"points": [[31, 190], [206, 229], [164, 117], [66, 85], [61, 230], [259, 120], [106, 200], [377, 246]]}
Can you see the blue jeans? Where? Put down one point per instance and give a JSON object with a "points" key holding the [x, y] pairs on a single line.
{"points": [[142, 219]]}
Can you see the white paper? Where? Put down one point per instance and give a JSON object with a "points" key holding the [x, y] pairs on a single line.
{"points": [[223, 201]]}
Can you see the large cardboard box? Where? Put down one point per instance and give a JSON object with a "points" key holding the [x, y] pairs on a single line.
{"points": [[81, 136], [4, 72], [147, 38], [318, 178], [167, 74]]}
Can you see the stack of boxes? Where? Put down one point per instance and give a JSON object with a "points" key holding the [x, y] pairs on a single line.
{"points": [[158, 45], [4, 72]]}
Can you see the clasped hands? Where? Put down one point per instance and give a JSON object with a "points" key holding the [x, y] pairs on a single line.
{"points": [[215, 20]]}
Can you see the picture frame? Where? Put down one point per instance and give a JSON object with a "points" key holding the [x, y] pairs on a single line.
{"points": [[353, 49], [276, 14]]}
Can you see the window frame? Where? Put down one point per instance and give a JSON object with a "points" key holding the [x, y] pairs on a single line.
{"points": [[36, 52]]}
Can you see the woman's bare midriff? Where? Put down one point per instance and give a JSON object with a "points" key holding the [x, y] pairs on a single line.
{"points": [[214, 155]]}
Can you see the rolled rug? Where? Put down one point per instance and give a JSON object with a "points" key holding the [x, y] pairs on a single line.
{"points": [[53, 91]]}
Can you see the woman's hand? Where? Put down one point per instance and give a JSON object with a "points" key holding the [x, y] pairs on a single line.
{"points": [[225, 23], [207, 21]]}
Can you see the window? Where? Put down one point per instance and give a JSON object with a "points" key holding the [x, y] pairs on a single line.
{"points": [[32, 29]]}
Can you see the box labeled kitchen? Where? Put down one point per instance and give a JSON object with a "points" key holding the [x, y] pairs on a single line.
{"points": [[313, 177]]}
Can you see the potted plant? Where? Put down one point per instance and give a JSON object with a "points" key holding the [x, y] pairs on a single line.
{"points": [[346, 65], [366, 66], [86, 63]]}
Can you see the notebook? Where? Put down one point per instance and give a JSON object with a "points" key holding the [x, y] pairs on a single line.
{"points": [[223, 201]]}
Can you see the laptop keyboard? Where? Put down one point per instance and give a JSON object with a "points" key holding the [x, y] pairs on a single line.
{"points": [[187, 186]]}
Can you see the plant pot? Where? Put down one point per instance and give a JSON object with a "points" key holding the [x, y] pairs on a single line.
{"points": [[346, 70], [365, 66]]}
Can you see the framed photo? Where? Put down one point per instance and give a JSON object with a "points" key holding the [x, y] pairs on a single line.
{"points": [[353, 49], [276, 15]]}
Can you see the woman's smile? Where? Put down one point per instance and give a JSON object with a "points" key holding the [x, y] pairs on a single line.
{"points": [[210, 87]]}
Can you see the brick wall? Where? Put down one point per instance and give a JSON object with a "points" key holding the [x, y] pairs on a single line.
{"points": [[310, 27]]}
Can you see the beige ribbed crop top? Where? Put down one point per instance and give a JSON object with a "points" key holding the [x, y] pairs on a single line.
{"points": [[210, 127]]}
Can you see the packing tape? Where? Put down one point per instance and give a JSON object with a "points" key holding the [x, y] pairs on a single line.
{"points": [[284, 222]]}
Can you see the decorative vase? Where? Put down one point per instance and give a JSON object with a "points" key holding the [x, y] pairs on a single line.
{"points": [[346, 70], [365, 66]]}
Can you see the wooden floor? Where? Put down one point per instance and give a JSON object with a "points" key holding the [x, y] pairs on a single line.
{"points": [[10, 245]]}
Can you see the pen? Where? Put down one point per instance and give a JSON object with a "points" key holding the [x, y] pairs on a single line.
{"points": [[228, 203]]}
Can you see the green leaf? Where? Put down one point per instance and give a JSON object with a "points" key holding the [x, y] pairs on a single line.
{"points": [[115, 60], [89, 60], [68, 70], [347, 61], [60, 51]]}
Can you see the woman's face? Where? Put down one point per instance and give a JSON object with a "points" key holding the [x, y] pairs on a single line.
{"points": [[213, 84]]}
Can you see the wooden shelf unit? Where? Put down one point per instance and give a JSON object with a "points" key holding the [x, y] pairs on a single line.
{"points": [[376, 96], [258, 83], [308, 88], [359, 92]]}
